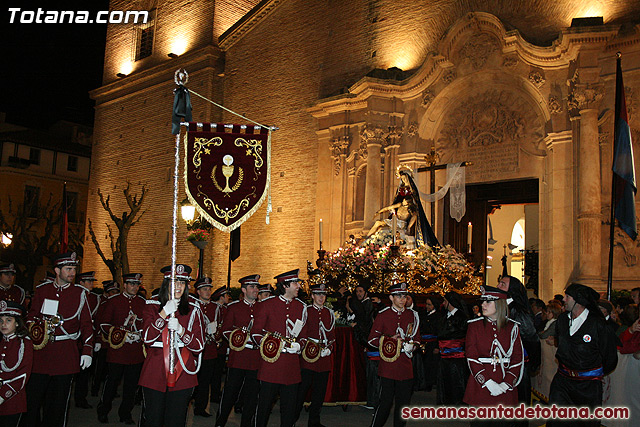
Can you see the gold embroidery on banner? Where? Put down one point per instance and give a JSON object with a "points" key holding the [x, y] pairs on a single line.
{"points": [[254, 148], [202, 145], [227, 171], [225, 214]]}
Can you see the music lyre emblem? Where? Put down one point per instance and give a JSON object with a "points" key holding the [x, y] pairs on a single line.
{"points": [[227, 170]]}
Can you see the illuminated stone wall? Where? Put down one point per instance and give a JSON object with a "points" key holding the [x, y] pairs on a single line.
{"points": [[291, 64]]}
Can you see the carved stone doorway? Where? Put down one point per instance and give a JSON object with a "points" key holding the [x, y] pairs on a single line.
{"points": [[482, 200]]}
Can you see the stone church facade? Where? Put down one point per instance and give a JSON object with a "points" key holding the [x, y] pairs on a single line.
{"points": [[358, 88]]}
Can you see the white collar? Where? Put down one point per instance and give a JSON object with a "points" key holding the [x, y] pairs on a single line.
{"points": [[575, 324], [393, 307], [549, 323], [65, 286], [432, 311], [452, 312], [127, 295], [282, 297], [10, 336], [250, 304], [316, 307]]}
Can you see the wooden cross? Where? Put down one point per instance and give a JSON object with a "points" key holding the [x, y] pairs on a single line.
{"points": [[432, 159]]}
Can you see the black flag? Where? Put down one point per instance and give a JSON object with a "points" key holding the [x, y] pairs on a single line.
{"points": [[234, 242]]}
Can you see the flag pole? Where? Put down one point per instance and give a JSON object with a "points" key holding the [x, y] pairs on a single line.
{"points": [[612, 219]]}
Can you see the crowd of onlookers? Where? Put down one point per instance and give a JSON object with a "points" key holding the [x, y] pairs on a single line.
{"points": [[621, 314]]}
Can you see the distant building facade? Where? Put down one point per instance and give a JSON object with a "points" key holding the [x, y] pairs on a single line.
{"points": [[35, 164]]}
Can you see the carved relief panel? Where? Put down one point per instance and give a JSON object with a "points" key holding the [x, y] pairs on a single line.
{"points": [[489, 129]]}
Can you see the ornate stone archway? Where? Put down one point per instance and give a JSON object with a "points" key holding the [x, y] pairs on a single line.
{"points": [[514, 109]]}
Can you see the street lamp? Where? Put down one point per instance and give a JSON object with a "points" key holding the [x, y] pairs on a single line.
{"points": [[188, 212]]}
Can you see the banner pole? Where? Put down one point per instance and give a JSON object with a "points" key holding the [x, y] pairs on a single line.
{"points": [[229, 264]]}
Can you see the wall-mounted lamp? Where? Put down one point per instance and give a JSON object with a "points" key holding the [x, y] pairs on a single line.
{"points": [[172, 55], [188, 211], [121, 75]]}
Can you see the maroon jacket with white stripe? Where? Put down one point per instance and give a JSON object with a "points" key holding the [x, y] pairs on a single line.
{"points": [[239, 314], [62, 357], [154, 372], [390, 322], [15, 368]]}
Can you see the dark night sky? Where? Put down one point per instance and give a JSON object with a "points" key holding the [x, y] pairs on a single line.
{"points": [[48, 69]]}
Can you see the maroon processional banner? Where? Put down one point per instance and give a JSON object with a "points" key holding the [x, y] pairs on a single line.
{"points": [[227, 171]]}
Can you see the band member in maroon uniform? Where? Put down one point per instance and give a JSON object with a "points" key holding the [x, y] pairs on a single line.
{"points": [[210, 312], [221, 298], [8, 290], [16, 358], [81, 388], [166, 402], [58, 318], [316, 363], [494, 353], [244, 355], [109, 288], [280, 330], [394, 332], [264, 291], [121, 322]]}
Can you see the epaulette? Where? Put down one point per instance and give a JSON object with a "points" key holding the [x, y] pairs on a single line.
{"points": [[141, 297], [153, 301], [268, 298], [233, 302], [112, 296], [514, 321], [44, 283], [475, 320], [384, 309], [81, 287], [195, 303], [300, 301]]}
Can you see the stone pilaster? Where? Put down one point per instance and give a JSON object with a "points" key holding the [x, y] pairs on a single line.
{"points": [[586, 97], [373, 138]]}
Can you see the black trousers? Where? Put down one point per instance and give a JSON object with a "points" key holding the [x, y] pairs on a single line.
{"points": [[131, 375], [168, 409], [268, 393], [216, 379], [317, 381], [49, 393], [81, 389], [10, 420], [373, 382], [205, 377], [100, 371], [569, 392], [237, 380], [390, 389], [452, 381]]}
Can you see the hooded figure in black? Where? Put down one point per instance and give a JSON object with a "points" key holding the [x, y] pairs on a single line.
{"points": [[453, 370], [520, 311], [586, 352]]}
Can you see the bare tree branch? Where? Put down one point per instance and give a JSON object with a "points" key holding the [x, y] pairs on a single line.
{"points": [[108, 262], [123, 223]]}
